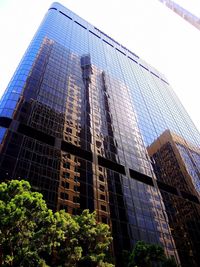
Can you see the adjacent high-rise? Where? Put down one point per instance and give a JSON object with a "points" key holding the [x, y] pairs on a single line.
{"points": [[182, 12], [84, 119]]}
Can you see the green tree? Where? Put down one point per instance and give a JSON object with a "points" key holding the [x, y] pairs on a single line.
{"points": [[143, 254], [147, 255], [22, 226], [32, 235], [94, 239], [169, 262], [66, 250]]}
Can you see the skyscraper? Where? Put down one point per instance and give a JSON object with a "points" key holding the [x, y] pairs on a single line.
{"points": [[77, 120], [182, 12], [176, 164]]}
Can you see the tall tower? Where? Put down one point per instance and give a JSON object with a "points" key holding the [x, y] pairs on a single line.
{"points": [[185, 14], [77, 120]]}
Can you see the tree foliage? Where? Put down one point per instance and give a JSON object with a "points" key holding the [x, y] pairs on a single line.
{"points": [[94, 239], [32, 235], [169, 263], [147, 255]]}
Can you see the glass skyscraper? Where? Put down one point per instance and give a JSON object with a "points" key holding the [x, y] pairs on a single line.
{"points": [[84, 119]]}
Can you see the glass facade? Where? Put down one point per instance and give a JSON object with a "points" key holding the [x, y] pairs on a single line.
{"points": [[79, 119], [175, 163]]}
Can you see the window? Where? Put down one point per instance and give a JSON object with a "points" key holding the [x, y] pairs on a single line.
{"points": [[101, 178], [76, 188], [65, 185], [66, 175], [69, 130], [102, 188], [64, 195], [76, 199], [66, 165], [103, 207], [76, 179], [76, 168], [104, 220], [102, 197]]}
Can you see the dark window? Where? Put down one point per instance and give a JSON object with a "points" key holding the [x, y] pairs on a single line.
{"points": [[64, 184], [64, 195], [101, 178], [66, 175], [76, 188], [76, 179], [76, 199], [76, 169], [103, 207], [68, 130], [104, 220], [102, 197], [66, 165], [102, 188]]}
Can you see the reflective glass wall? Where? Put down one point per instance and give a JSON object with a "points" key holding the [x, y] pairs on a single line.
{"points": [[78, 120]]}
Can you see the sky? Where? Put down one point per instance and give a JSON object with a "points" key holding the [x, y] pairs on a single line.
{"points": [[146, 27]]}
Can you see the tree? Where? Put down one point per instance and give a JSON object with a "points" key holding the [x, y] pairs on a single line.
{"points": [[94, 239], [32, 235], [65, 248], [146, 255], [169, 262], [22, 226]]}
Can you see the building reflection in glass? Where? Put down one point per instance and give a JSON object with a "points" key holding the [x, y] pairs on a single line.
{"points": [[176, 164], [77, 119], [82, 109]]}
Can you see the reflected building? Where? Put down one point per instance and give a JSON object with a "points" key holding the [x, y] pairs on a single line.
{"points": [[176, 164], [77, 120]]}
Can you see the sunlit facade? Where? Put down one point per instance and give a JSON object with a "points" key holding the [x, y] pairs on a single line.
{"points": [[176, 164], [179, 160], [77, 120]]}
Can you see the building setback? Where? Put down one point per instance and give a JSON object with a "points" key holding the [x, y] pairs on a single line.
{"points": [[77, 120]]}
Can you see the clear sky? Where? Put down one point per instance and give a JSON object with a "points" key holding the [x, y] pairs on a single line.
{"points": [[146, 27]]}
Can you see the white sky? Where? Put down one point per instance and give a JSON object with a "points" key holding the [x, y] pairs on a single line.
{"points": [[146, 27]]}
